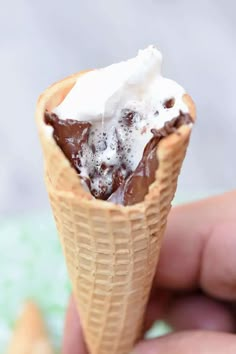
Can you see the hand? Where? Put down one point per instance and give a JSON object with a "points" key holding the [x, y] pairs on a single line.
{"points": [[195, 285]]}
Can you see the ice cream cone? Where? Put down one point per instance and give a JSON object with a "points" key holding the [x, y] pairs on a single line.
{"points": [[30, 336], [111, 251]]}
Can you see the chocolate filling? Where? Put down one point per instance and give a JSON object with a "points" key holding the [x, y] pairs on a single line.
{"points": [[128, 187]]}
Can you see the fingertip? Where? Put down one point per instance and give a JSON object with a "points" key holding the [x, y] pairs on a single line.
{"points": [[218, 270]]}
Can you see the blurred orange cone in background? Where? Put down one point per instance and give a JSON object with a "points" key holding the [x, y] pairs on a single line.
{"points": [[30, 335]]}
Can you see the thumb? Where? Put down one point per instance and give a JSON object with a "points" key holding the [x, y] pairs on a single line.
{"points": [[189, 342], [73, 342]]}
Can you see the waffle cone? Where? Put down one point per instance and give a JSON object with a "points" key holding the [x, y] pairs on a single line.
{"points": [[30, 336], [111, 251]]}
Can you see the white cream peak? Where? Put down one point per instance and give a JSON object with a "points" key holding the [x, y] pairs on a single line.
{"points": [[101, 96]]}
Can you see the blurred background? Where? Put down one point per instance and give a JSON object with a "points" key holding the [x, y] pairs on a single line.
{"points": [[44, 41]]}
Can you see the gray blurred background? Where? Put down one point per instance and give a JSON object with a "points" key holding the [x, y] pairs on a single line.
{"points": [[44, 41]]}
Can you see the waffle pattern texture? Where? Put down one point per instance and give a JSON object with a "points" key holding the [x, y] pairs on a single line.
{"points": [[111, 251]]}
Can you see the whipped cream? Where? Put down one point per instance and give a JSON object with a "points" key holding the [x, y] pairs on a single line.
{"points": [[123, 102]]}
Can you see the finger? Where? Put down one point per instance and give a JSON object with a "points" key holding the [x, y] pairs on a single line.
{"points": [[189, 311], [191, 342], [186, 241], [218, 270], [73, 342], [200, 312]]}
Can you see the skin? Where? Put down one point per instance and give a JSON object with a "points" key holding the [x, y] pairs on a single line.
{"points": [[195, 293]]}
